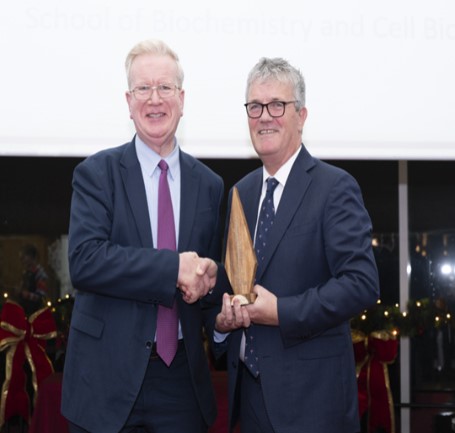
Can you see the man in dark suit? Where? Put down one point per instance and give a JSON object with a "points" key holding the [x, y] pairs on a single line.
{"points": [[290, 356], [116, 379]]}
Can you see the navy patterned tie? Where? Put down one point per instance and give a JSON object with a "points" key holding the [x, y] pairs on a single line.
{"points": [[265, 223], [167, 320], [266, 218]]}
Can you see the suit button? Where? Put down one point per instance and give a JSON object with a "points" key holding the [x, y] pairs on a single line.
{"points": [[149, 344]]}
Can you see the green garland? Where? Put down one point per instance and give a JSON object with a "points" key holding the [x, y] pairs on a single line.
{"points": [[61, 311], [420, 316]]}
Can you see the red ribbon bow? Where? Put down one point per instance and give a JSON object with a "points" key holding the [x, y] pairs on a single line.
{"points": [[372, 356], [23, 339]]}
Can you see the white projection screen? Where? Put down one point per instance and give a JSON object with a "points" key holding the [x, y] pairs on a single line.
{"points": [[380, 74]]}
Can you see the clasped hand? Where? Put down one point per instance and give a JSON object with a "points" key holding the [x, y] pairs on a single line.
{"points": [[197, 276], [264, 311]]}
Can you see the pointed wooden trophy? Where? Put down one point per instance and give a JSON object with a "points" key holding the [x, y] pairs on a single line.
{"points": [[240, 261]]}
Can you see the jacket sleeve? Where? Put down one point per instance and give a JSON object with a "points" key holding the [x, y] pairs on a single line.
{"points": [[352, 284]]}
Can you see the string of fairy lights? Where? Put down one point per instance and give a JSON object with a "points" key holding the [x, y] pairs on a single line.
{"points": [[421, 316], [48, 303]]}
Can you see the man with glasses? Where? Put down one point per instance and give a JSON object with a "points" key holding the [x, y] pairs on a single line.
{"points": [[290, 356], [143, 237]]}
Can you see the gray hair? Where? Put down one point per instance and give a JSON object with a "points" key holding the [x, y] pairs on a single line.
{"points": [[281, 70], [153, 46]]}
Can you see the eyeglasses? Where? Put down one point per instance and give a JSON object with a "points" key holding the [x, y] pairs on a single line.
{"points": [[165, 90], [274, 108]]}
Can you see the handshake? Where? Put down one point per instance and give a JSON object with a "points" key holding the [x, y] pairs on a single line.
{"points": [[197, 276]]}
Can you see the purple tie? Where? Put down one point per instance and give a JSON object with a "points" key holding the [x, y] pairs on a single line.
{"points": [[167, 322]]}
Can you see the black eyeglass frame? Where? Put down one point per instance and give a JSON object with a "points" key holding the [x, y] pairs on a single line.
{"points": [[248, 104]]}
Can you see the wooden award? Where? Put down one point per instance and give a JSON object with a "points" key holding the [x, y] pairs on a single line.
{"points": [[240, 261]]}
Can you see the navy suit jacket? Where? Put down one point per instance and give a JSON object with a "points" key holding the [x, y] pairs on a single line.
{"points": [[319, 263], [120, 279]]}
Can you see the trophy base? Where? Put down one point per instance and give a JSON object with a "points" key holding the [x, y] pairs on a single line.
{"points": [[245, 298]]}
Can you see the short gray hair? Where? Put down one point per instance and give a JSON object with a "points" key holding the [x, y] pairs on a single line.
{"points": [[153, 46], [281, 70]]}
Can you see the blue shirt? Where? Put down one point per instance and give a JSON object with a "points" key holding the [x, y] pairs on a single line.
{"points": [[148, 159]]}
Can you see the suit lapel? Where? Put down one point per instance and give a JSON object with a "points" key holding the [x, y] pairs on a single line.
{"points": [[293, 194], [188, 199], [131, 173]]}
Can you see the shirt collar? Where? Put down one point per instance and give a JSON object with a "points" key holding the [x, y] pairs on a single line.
{"points": [[149, 159], [283, 172]]}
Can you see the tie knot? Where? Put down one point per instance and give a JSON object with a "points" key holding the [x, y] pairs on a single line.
{"points": [[163, 165], [271, 185]]}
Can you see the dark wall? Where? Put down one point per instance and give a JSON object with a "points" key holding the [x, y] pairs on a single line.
{"points": [[35, 193]]}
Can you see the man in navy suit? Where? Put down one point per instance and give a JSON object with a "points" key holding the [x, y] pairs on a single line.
{"points": [[114, 378], [315, 272]]}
